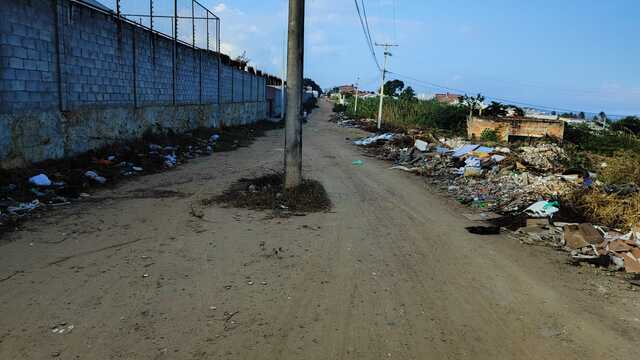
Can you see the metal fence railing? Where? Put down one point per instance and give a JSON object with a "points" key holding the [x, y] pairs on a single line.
{"points": [[184, 21]]}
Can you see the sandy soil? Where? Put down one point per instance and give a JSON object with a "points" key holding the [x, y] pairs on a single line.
{"points": [[389, 273]]}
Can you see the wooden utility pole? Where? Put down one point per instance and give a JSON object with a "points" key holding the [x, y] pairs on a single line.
{"points": [[293, 122], [384, 72]]}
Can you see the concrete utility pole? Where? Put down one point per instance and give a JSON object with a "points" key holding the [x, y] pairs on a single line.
{"points": [[284, 75], [384, 71], [355, 110], [293, 122]]}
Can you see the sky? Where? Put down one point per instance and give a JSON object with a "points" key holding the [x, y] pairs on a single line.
{"points": [[579, 55]]}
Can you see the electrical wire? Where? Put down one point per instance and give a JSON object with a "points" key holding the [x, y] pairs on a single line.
{"points": [[508, 101], [367, 32]]}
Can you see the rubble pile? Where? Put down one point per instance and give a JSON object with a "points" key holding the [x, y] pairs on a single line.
{"points": [[544, 157], [518, 185]]}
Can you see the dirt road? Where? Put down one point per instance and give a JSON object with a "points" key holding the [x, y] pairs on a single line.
{"points": [[389, 273]]}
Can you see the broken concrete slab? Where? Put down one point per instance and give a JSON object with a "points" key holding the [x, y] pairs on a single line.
{"points": [[582, 235], [541, 222]]}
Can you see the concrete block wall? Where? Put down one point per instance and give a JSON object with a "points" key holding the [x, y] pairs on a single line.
{"points": [[28, 62], [73, 78], [154, 67], [97, 59]]}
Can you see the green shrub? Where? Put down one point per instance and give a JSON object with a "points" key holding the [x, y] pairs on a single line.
{"points": [[413, 113], [489, 135], [602, 142], [339, 108]]}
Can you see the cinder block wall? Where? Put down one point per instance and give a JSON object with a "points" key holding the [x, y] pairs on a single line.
{"points": [[515, 127], [73, 79]]}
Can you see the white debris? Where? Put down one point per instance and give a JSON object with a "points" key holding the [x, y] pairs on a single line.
{"points": [[95, 177], [421, 145], [40, 180], [23, 208], [373, 139], [170, 160], [542, 209]]}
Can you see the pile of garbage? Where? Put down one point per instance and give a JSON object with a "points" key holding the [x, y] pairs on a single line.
{"points": [[493, 178], [516, 189]]}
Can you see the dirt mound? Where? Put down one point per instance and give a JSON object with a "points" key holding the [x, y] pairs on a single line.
{"points": [[266, 193]]}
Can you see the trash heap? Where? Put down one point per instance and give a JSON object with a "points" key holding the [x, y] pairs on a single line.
{"points": [[496, 179], [517, 188]]}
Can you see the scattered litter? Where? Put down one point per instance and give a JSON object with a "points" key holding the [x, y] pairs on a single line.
{"points": [[374, 139], [23, 208], [421, 145], [543, 209], [464, 150], [62, 329], [40, 180], [170, 160], [404, 168], [484, 216], [95, 177], [357, 162]]}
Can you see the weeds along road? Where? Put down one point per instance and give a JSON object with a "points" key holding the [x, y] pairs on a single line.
{"points": [[389, 273]]}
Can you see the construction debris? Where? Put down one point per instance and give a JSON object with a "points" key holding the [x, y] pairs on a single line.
{"points": [[526, 189]]}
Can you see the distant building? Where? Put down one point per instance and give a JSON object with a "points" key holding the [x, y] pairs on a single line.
{"points": [[449, 99], [347, 89], [514, 128]]}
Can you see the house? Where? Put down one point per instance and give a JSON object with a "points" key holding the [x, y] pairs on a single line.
{"points": [[449, 99], [347, 89], [514, 128]]}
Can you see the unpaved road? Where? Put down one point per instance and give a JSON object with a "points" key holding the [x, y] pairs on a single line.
{"points": [[390, 273]]}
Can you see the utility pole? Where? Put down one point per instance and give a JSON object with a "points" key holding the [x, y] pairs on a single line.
{"points": [[293, 122], [355, 110], [384, 71], [284, 75]]}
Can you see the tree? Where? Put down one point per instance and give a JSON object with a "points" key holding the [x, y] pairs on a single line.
{"points": [[582, 115], [496, 109], [569, 115], [243, 60], [629, 124], [310, 83], [408, 94], [602, 116], [393, 87], [473, 103], [517, 111]]}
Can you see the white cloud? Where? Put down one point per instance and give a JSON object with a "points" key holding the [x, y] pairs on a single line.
{"points": [[220, 8]]}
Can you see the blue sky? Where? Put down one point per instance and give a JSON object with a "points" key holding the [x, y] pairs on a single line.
{"points": [[566, 54]]}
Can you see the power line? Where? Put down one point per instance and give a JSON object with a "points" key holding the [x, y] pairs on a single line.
{"points": [[515, 102], [395, 21], [367, 32]]}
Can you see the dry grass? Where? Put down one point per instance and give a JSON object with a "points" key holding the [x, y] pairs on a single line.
{"points": [[615, 211], [622, 168]]}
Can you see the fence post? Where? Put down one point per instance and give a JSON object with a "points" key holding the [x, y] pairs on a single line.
{"points": [[135, 70], [59, 39], [175, 48]]}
